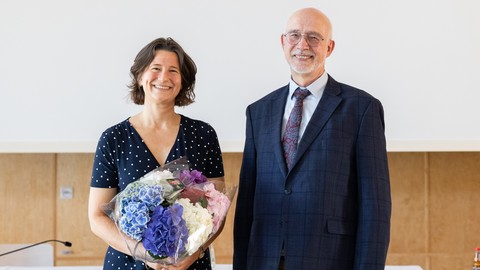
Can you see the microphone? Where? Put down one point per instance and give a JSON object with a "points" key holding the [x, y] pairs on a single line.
{"points": [[66, 243]]}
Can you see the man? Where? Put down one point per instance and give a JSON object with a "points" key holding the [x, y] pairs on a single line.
{"points": [[317, 198]]}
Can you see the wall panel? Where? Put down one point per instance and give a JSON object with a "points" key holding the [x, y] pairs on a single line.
{"points": [[434, 214], [408, 202], [74, 171], [27, 198]]}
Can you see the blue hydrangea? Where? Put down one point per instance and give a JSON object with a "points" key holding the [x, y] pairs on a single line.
{"points": [[134, 218], [166, 233], [152, 196], [136, 203]]}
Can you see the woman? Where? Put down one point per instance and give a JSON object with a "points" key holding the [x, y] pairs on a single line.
{"points": [[163, 76]]}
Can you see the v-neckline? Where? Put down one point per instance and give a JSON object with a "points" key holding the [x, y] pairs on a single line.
{"points": [[148, 149]]}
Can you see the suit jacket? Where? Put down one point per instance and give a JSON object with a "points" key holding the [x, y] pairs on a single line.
{"points": [[332, 209]]}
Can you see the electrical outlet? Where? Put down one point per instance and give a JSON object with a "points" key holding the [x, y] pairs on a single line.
{"points": [[66, 193]]}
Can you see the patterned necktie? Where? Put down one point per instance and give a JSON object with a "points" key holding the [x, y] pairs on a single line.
{"points": [[290, 138]]}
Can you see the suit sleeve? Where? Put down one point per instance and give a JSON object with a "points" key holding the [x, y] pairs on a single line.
{"points": [[373, 231], [244, 207]]}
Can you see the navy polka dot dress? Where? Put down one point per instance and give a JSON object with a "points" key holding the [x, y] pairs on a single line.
{"points": [[122, 157]]}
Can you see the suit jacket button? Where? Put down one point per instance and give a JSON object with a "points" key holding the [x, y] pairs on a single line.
{"points": [[288, 191]]}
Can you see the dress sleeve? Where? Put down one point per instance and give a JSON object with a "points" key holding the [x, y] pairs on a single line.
{"points": [[213, 158], [104, 171]]}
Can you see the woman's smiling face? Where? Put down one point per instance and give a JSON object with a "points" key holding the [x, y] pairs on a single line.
{"points": [[162, 79]]}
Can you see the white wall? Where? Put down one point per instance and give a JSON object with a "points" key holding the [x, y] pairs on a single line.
{"points": [[64, 65]]}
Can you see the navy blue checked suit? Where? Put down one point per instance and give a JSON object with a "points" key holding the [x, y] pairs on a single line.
{"points": [[332, 210]]}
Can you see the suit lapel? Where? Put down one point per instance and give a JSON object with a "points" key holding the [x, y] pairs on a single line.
{"points": [[278, 108], [325, 108]]}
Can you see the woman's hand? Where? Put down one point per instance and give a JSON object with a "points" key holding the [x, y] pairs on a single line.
{"points": [[183, 265]]}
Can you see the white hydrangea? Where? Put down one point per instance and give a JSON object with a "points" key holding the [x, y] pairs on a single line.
{"points": [[199, 223], [159, 177]]}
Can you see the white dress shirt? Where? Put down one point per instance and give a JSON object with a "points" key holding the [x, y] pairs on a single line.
{"points": [[309, 103]]}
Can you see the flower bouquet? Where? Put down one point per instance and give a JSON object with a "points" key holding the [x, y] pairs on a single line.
{"points": [[169, 213]]}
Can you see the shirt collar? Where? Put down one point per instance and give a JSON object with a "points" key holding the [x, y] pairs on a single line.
{"points": [[316, 88]]}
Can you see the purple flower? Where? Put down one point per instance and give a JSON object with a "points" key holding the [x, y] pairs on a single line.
{"points": [[192, 177], [166, 233]]}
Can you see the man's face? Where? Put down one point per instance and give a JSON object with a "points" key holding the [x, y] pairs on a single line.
{"points": [[305, 60]]}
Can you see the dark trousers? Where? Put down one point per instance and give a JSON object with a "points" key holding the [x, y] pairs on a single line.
{"points": [[281, 266]]}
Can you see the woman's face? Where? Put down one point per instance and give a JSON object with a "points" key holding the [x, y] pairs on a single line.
{"points": [[162, 80]]}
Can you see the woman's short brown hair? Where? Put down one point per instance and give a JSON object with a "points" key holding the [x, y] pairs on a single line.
{"points": [[144, 58]]}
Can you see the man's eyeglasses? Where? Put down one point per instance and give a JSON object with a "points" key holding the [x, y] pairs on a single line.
{"points": [[312, 39]]}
